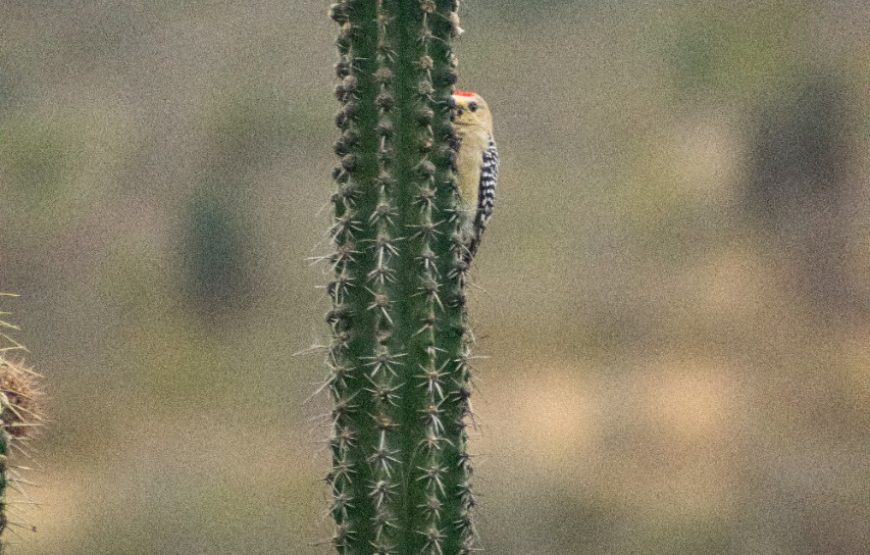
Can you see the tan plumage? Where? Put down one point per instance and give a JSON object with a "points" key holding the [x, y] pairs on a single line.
{"points": [[477, 164], [474, 130]]}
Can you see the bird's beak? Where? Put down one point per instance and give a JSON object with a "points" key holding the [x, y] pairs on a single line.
{"points": [[457, 109]]}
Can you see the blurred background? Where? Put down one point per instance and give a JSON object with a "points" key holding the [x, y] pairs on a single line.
{"points": [[673, 296]]}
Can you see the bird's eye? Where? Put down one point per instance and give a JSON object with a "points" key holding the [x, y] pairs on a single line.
{"points": [[472, 106]]}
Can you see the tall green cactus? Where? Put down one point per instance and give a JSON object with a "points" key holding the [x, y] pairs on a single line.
{"points": [[399, 373]]}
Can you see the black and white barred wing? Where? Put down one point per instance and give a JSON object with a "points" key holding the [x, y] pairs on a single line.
{"points": [[485, 195]]}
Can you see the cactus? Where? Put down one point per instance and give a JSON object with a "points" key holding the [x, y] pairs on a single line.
{"points": [[398, 362], [20, 416]]}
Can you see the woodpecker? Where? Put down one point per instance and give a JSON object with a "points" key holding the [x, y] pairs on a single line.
{"points": [[476, 165]]}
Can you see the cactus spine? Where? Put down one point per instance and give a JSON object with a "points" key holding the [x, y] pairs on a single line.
{"points": [[399, 374], [20, 416], [5, 439]]}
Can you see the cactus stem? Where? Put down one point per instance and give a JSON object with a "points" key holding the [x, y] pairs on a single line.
{"points": [[398, 314]]}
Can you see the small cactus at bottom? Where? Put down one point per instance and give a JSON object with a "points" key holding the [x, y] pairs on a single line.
{"points": [[21, 415], [399, 358]]}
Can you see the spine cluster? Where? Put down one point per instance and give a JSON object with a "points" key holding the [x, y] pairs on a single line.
{"points": [[399, 373], [20, 416]]}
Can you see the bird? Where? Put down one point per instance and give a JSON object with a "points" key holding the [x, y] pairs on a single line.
{"points": [[476, 165]]}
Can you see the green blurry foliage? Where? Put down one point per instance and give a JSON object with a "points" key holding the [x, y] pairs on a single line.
{"points": [[801, 148], [798, 190], [33, 160], [733, 52], [5, 93], [696, 56], [248, 130], [216, 253]]}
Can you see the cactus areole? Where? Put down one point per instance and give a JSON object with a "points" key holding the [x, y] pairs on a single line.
{"points": [[398, 359]]}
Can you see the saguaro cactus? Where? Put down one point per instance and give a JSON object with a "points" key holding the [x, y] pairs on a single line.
{"points": [[399, 372]]}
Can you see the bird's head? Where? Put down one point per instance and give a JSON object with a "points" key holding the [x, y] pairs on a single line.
{"points": [[471, 110]]}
